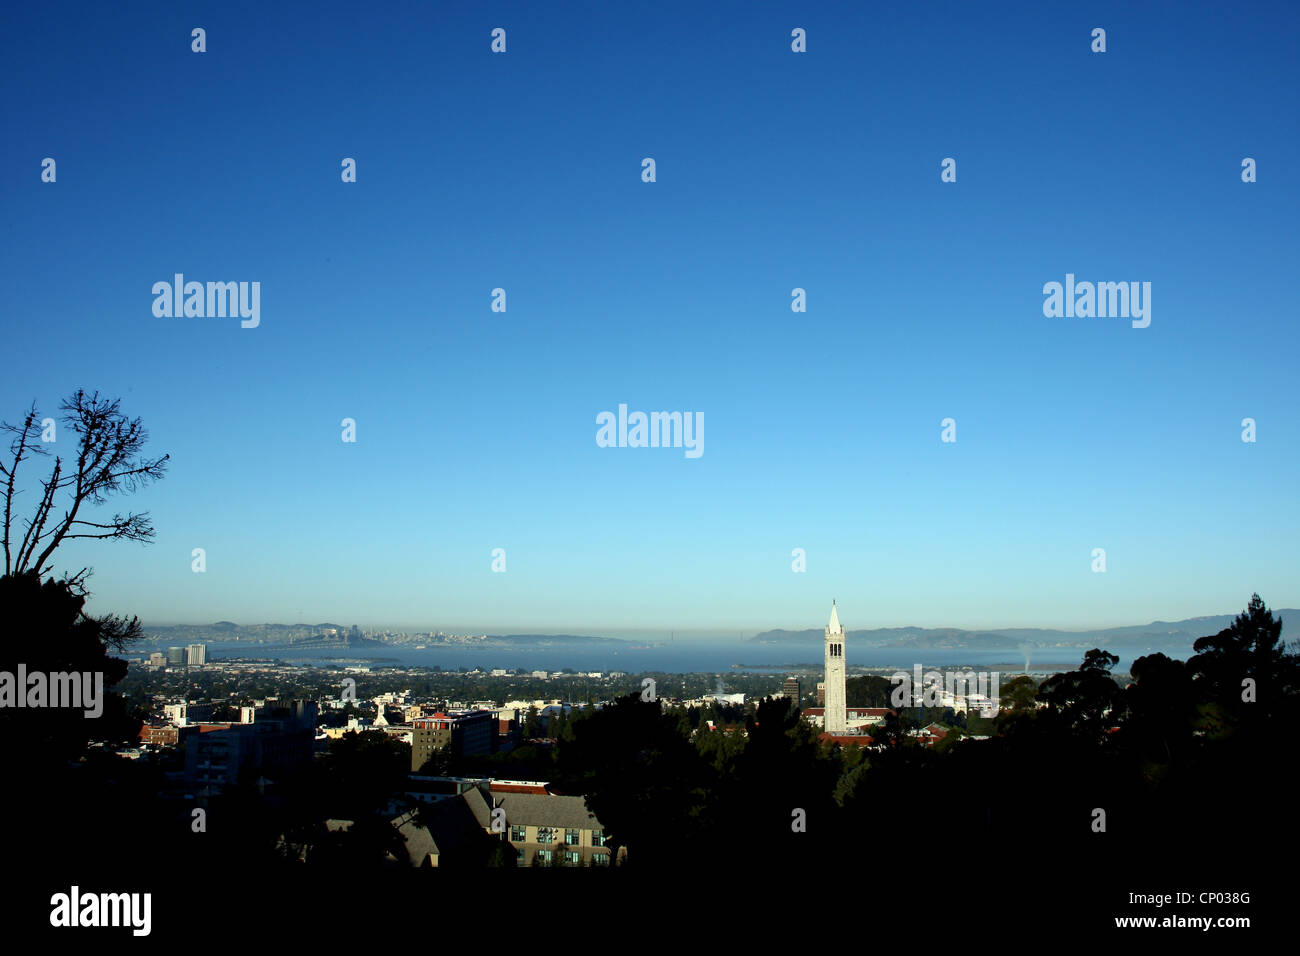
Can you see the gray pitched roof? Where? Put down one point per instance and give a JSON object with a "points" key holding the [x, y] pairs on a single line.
{"points": [[547, 810], [478, 806], [448, 825], [419, 841]]}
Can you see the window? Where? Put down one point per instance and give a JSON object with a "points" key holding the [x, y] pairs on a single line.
{"points": [[544, 856], [597, 837], [571, 838], [523, 857], [572, 857], [600, 859], [546, 835], [518, 835]]}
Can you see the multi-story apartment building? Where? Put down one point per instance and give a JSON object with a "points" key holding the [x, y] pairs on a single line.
{"points": [[548, 830], [466, 732], [279, 741]]}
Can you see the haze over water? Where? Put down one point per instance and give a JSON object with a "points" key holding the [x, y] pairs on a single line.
{"points": [[677, 658]]}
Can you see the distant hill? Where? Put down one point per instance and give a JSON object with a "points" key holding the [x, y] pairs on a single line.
{"points": [[227, 632], [1156, 635]]}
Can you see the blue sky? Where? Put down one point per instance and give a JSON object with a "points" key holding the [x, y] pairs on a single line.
{"points": [[775, 170]]}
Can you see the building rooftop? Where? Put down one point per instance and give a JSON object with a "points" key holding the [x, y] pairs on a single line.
{"points": [[529, 809]]}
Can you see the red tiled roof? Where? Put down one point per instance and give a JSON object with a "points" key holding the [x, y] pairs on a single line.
{"points": [[843, 740], [518, 788]]}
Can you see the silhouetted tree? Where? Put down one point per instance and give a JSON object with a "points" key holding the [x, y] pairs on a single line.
{"points": [[1085, 701], [44, 627], [1251, 649], [780, 801], [645, 781], [106, 460], [1160, 712], [867, 691]]}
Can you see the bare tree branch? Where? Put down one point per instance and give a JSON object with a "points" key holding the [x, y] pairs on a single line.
{"points": [[20, 445], [108, 461], [37, 522]]}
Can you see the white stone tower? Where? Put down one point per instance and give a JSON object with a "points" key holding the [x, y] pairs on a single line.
{"points": [[835, 720]]}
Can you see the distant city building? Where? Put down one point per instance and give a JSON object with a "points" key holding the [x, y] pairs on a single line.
{"points": [[835, 692], [856, 719], [197, 655], [175, 657], [183, 714], [427, 789], [929, 735], [279, 742], [735, 699], [159, 735], [157, 659], [821, 694], [466, 732], [791, 688]]}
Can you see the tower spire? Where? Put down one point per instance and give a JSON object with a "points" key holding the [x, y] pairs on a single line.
{"points": [[834, 716]]}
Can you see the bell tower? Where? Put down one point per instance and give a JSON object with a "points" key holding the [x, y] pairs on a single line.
{"points": [[835, 719]]}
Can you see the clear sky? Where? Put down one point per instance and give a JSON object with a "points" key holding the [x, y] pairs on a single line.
{"points": [[774, 170]]}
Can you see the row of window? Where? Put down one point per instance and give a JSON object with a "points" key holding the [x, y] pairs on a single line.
{"points": [[567, 858], [572, 837]]}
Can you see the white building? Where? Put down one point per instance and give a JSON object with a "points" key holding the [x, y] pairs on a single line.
{"points": [[737, 699], [835, 694]]}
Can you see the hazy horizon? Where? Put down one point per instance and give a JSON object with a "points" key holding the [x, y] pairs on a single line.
{"points": [[685, 634]]}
